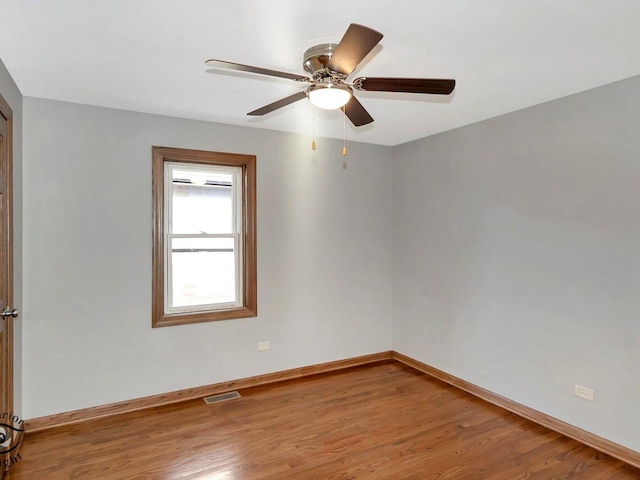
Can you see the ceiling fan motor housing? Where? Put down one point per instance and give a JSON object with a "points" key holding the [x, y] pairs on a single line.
{"points": [[315, 60]]}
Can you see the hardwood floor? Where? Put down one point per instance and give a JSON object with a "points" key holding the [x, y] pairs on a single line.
{"points": [[381, 421]]}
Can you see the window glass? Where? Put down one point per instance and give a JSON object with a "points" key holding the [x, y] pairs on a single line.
{"points": [[203, 271], [202, 202]]}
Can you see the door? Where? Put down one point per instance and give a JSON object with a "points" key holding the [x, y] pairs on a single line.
{"points": [[9, 435]]}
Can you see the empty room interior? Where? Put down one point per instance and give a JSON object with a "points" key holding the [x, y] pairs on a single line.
{"points": [[436, 278]]}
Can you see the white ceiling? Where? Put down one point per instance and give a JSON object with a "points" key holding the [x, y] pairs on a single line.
{"points": [[148, 56]]}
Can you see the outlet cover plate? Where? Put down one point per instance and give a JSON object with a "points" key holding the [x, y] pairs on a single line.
{"points": [[584, 392]]}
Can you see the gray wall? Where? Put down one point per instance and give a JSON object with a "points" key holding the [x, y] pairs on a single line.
{"points": [[324, 258], [12, 95], [517, 256]]}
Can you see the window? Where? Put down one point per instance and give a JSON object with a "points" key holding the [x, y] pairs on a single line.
{"points": [[204, 236]]}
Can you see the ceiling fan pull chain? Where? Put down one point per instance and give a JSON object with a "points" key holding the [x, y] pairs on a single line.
{"points": [[344, 134], [313, 136]]}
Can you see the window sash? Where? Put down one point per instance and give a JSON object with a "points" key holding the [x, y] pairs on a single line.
{"points": [[202, 307], [236, 190], [237, 200]]}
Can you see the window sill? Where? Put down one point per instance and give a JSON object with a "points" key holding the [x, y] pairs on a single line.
{"points": [[187, 318]]}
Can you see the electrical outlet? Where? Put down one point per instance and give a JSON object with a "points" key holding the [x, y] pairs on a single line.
{"points": [[264, 345], [584, 392]]}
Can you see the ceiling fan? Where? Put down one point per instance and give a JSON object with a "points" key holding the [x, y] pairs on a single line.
{"points": [[329, 66]]}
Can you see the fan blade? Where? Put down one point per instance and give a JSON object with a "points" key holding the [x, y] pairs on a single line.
{"points": [[357, 113], [435, 86], [262, 71], [357, 42], [283, 102]]}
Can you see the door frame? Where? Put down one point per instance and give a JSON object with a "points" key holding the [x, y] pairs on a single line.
{"points": [[7, 112]]}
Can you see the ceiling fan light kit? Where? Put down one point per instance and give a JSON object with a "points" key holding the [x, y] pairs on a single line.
{"points": [[329, 96], [329, 66]]}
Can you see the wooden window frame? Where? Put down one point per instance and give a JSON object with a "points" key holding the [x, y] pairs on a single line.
{"points": [[249, 308]]}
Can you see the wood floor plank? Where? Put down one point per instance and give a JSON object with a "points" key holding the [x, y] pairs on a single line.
{"points": [[380, 421]]}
